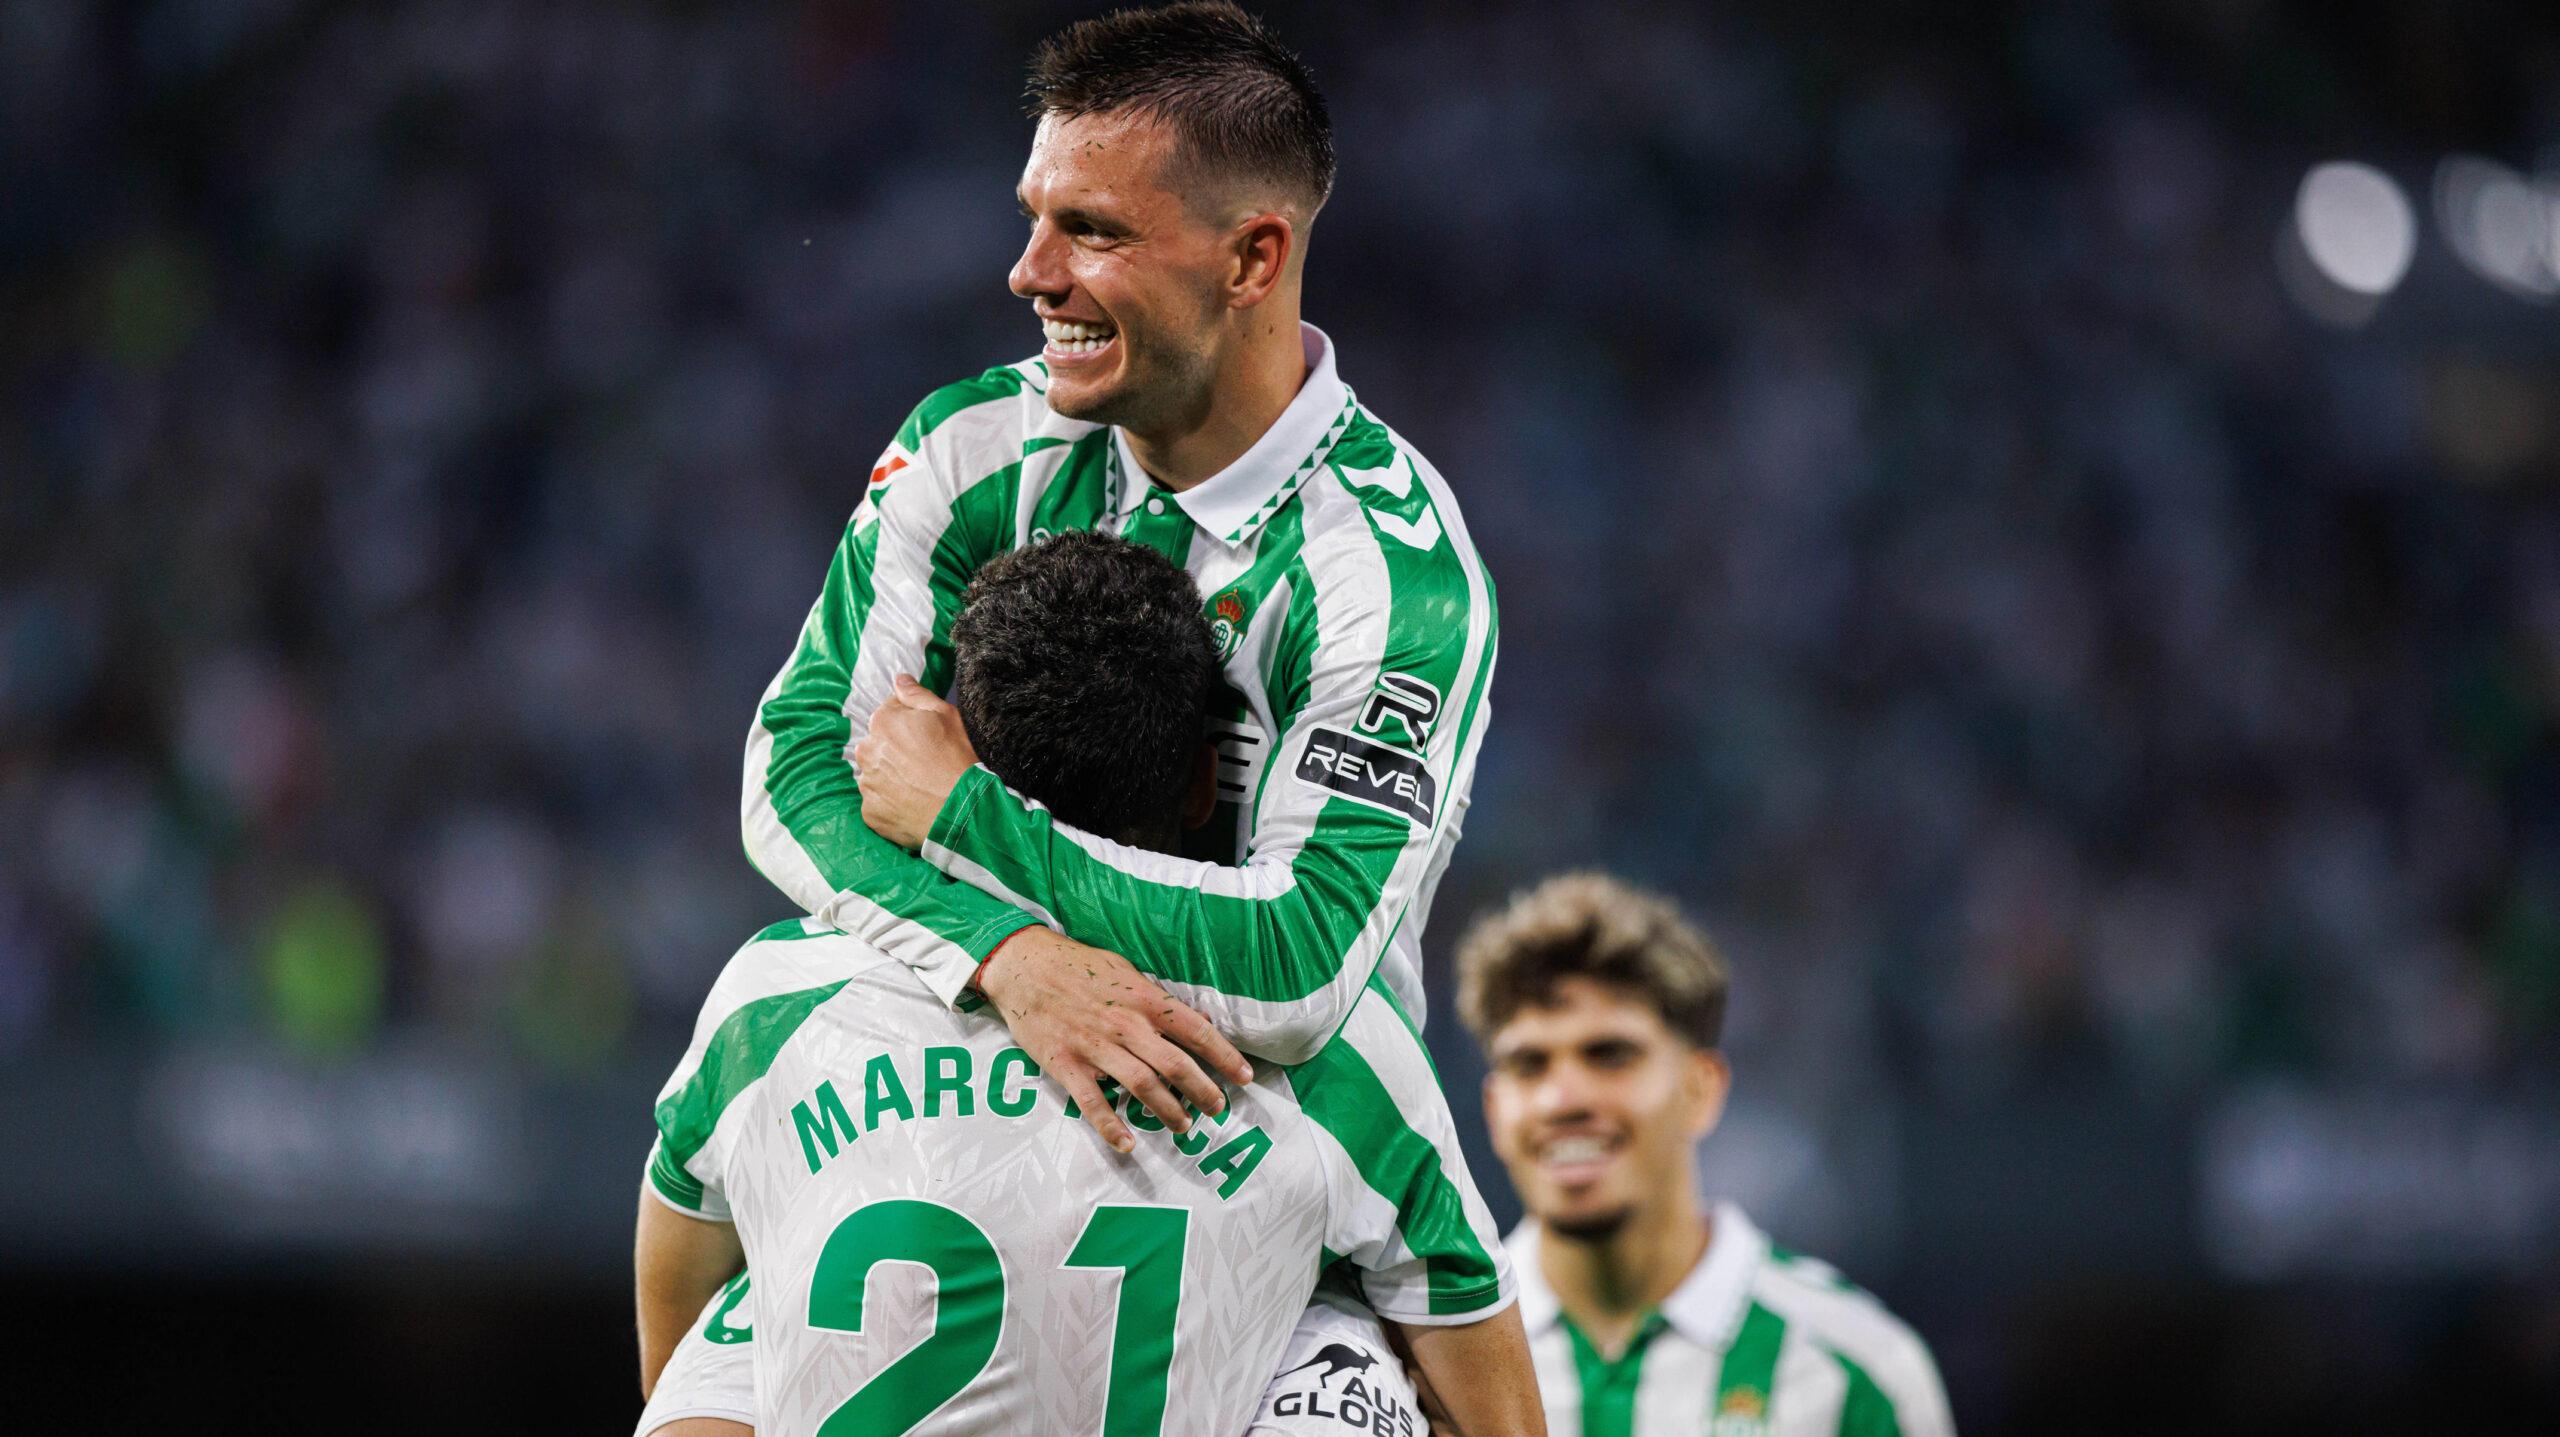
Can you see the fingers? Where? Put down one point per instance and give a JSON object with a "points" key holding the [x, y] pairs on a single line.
{"points": [[1088, 1098], [905, 690], [1183, 1024], [1175, 1067], [1140, 1082]]}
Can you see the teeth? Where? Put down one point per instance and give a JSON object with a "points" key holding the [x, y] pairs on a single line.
{"points": [[1576, 1150], [1074, 336]]}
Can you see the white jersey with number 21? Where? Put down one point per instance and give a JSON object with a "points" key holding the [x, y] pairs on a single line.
{"points": [[940, 1244]]}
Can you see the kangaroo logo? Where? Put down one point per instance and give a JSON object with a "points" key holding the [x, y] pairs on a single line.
{"points": [[1336, 1358]]}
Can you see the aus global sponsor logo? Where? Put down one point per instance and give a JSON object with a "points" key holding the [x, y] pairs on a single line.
{"points": [[1369, 773], [1329, 1385]]}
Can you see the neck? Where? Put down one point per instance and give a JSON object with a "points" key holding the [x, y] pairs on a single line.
{"points": [[1606, 1287], [1255, 382]]}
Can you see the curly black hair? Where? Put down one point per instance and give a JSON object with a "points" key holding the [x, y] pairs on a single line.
{"points": [[1084, 672]]}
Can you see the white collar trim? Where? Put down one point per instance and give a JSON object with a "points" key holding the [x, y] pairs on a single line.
{"points": [[1233, 504], [1708, 1305]]}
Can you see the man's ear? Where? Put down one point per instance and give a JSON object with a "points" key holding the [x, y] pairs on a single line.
{"points": [[1202, 800], [1709, 1080], [1264, 245]]}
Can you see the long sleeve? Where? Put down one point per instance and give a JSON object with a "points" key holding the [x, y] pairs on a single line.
{"points": [[1377, 681], [891, 594]]}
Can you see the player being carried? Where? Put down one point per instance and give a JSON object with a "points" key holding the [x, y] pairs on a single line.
{"points": [[837, 1127], [1180, 157]]}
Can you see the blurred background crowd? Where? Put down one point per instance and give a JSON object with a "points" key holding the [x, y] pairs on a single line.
{"points": [[2090, 653]]}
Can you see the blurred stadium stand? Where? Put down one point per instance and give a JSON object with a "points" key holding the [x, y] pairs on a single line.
{"points": [[2072, 605]]}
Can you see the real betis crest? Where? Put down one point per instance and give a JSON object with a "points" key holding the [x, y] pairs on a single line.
{"points": [[1227, 616], [1744, 1412]]}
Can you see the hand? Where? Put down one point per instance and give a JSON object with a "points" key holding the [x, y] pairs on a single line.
{"points": [[907, 765], [1084, 1014]]}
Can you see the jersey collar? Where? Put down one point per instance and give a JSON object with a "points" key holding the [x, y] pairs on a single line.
{"points": [[1706, 1308], [1233, 504]]}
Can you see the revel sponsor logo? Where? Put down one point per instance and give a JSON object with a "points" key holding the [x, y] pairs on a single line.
{"points": [[1370, 773]]}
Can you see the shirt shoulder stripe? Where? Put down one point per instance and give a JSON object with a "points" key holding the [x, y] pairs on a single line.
{"points": [[792, 930], [759, 1000], [1339, 1090], [740, 1051], [1852, 1324], [1865, 1411], [1751, 1364], [950, 399]]}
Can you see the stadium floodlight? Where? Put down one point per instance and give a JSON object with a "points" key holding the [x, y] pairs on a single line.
{"points": [[2356, 225], [2504, 227]]}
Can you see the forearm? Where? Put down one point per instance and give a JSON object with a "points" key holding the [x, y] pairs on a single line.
{"points": [[1479, 1374], [1274, 951], [677, 1264], [801, 806]]}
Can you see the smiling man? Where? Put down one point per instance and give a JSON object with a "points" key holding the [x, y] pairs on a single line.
{"points": [[1181, 157], [1599, 1010]]}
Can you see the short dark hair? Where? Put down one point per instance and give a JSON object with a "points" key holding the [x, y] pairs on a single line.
{"points": [[1589, 925], [1241, 103], [1083, 674]]}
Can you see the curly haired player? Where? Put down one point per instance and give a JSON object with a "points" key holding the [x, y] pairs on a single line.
{"points": [[835, 1126]]}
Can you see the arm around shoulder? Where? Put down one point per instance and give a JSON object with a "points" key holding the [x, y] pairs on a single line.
{"points": [[894, 582]]}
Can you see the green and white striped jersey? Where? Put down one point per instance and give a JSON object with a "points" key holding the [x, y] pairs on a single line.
{"points": [[1755, 1342], [857, 1129], [1358, 630]]}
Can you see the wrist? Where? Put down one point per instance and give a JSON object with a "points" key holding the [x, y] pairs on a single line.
{"points": [[977, 976], [948, 826]]}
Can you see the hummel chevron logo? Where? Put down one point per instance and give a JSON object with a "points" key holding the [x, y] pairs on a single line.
{"points": [[1391, 476], [1419, 533]]}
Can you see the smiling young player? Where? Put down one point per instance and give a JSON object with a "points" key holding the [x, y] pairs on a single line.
{"points": [[1599, 1010], [1181, 157]]}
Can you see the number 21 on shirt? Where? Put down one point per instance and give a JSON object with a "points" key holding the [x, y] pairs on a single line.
{"points": [[1144, 1243]]}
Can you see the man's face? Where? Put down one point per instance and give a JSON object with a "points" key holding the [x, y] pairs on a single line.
{"points": [[1127, 281], [1595, 1106]]}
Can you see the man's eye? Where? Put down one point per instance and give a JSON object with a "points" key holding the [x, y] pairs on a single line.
{"points": [[1612, 1055]]}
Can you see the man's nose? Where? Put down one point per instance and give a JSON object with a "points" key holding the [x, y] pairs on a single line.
{"points": [[1040, 272], [1560, 1092]]}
